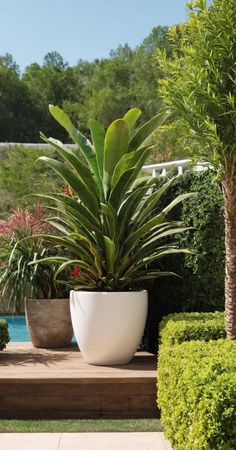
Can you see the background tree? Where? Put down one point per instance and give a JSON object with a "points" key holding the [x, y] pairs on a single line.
{"points": [[18, 113], [199, 86], [101, 89], [54, 59], [8, 61], [50, 84]]}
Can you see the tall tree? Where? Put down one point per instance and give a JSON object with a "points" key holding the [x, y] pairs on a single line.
{"points": [[8, 61], [49, 84], [200, 87], [56, 60]]}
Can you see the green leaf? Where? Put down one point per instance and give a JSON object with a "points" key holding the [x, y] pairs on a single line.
{"points": [[135, 267], [117, 194], [89, 219], [98, 136], [146, 130], [78, 262], [110, 249], [116, 145], [176, 201], [161, 218], [82, 171], [152, 201], [127, 210], [132, 159], [67, 242], [79, 139], [61, 117], [88, 198], [132, 116], [109, 214], [150, 246]]}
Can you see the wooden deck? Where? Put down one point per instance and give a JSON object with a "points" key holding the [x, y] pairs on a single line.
{"points": [[43, 383]]}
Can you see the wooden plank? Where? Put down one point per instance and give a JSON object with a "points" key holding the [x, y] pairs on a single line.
{"points": [[53, 383], [147, 388]]}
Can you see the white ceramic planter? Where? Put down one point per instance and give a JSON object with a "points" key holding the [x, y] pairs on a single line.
{"points": [[108, 326]]}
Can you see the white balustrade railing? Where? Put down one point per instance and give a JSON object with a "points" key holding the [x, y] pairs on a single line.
{"points": [[163, 169]]}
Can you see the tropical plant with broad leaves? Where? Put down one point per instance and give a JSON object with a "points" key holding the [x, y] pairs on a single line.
{"points": [[108, 225]]}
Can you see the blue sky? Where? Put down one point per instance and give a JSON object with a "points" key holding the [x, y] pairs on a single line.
{"points": [[77, 29]]}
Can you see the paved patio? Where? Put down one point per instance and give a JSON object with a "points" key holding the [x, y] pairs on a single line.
{"points": [[84, 441]]}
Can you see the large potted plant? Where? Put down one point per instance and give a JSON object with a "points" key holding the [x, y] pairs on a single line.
{"points": [[107, 223], [47, 315]]}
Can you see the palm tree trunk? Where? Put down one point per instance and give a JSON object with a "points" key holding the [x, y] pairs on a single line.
{"points": [[229, 191]]}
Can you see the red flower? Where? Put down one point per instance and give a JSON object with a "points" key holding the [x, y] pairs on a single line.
{"points": [[69, 191], [75, 272]]}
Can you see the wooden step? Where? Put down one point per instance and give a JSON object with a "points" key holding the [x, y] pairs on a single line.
{"points": [[57, 383]]}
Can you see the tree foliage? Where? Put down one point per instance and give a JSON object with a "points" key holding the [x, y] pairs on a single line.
{"points": [[199, 79], [199, 85], [102, 89], [21, 175]]}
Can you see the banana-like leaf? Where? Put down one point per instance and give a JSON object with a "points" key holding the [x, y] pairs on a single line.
{"points": [[160, 219], [57, 223], [110, 250], [92, 221], [79, 139], [93, 251], [150, 245], [88, 198], [152, 223], [130, 160], [155, 257], [76, 218], [109, 213], [146, 130], [176, 201], [83, 265], [82, 171], [132, 116], [152, 200], [150, 275], [67, 242], [121, 187], [73, 220], [116, 145], [110, 230], [62, 118], [128, 208], [98, 136]]}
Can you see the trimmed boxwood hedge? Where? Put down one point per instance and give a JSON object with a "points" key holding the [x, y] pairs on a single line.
{"points": [[177, 328], [197, 394], [4, 335]]}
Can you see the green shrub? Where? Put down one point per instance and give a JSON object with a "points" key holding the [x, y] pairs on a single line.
{"points": [[21, 174], [178, 328], [197, 394], [201, 286], [4, 335]]}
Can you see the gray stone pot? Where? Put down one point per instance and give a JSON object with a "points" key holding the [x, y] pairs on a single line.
{"points": [[49, 322]]}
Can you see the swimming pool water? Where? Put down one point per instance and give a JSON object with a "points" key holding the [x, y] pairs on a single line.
{"points": [[17, 328]]}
